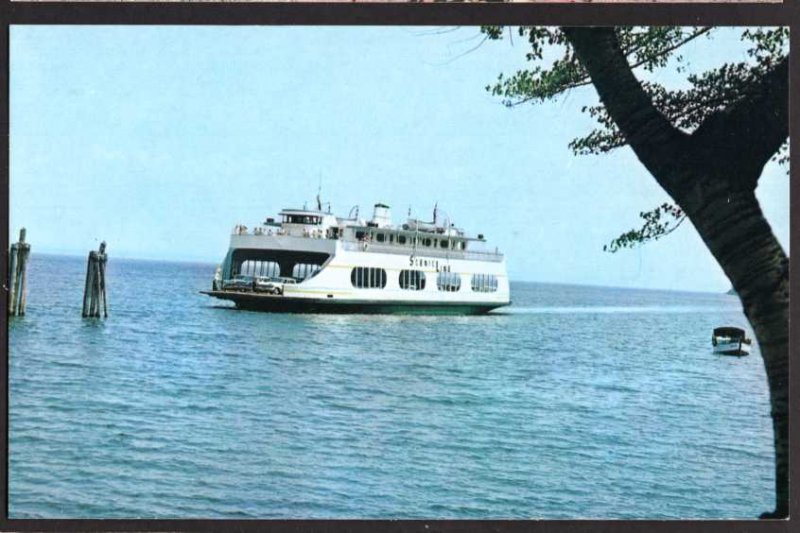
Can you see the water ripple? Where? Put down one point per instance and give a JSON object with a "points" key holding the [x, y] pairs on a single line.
{"points": [[576, 402]]}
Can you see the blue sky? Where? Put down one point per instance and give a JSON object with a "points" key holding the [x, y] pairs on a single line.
{"points": [[160, 139]]}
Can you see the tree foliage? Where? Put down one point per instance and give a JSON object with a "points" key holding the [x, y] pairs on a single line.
{"points": [[659, 222], [555, 69]]}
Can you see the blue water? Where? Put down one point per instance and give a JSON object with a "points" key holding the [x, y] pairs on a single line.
{"points": [[575, 402]]}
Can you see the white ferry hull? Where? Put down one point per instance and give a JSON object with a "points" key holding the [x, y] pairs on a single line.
{"points": [[283, 304]]}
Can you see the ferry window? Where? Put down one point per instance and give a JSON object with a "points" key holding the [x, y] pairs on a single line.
{"points": [[401, 239], [443, 243], [484, 283], [448, 281], [303, 271], [426, 242], [251, 267], [412, 280], [391, 238], [380, 237], [368, 278], [360, 235]]}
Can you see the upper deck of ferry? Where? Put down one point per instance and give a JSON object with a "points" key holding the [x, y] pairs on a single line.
{"points": [[378, 235]]}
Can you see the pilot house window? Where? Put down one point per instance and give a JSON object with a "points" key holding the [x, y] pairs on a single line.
{"points": [[412, 280], [302, 219], [368, 278]]}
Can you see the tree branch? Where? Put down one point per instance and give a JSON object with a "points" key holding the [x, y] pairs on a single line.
{"points": [[667, 50], [587, 80], [748, 133], [659, 145]]}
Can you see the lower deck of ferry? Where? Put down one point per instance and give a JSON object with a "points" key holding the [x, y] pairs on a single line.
{"points": [[303, 275], [282, 304]]}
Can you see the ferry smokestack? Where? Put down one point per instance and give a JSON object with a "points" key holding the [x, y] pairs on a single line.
{"points": [[382, 216]]}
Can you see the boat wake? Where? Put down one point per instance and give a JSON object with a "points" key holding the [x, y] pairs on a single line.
{"points": [[596, 309]]}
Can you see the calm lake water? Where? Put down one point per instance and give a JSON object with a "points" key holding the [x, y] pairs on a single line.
{"points": [[575, 402]]}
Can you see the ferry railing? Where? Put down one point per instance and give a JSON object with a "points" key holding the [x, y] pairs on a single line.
{"points": [[475, 255], [362, 246], [279, 233]]}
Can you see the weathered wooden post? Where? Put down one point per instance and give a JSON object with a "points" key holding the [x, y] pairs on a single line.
{"points": [[87, 290], [103, 259], [17, 278], [94, 291]]}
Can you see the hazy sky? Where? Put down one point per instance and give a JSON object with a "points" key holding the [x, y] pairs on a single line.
{"points": [[160, 139]]}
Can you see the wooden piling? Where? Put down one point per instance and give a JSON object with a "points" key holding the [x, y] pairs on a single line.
{"points": [[13, 256], [94, 291], [17, 275], [87, 286], [103, 258]]}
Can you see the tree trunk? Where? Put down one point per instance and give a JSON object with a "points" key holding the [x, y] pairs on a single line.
{"points": [[735, 231], [715, 187]]}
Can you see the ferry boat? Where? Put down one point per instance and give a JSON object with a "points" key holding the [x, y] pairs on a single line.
{"points": [[312, 261]]}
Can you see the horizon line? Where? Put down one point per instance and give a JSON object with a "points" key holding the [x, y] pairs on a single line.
{"points": [[568, 283]]}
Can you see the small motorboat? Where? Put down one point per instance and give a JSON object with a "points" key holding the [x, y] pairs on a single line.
{"points": [[730, 341]]}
